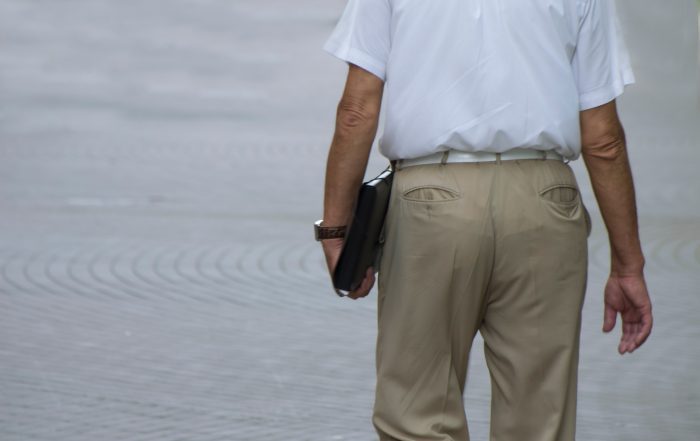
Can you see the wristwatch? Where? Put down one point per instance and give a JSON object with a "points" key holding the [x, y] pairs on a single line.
{"points": [[321, 232]]}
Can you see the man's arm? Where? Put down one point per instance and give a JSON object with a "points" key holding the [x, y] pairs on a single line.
{"points": [[604, 152], [357, 119]]}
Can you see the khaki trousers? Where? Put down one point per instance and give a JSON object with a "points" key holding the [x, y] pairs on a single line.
{"points": [[499, 248]]}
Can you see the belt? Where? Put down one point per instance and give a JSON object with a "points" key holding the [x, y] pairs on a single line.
{"points": [[454, 156]]}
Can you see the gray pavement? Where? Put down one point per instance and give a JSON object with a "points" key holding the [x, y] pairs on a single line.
{"points": [[161, 163]]}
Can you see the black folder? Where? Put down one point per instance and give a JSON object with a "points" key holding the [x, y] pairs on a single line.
{"points": [[362, 242]]}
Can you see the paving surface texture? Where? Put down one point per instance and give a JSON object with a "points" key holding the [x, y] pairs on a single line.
{"points": [[161, 163]]}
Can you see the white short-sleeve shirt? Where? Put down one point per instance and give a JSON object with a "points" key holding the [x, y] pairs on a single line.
{"points": [[483, 75]]}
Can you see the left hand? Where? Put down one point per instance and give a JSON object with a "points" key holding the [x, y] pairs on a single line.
{"points": [[627, 295], [332, 249]]}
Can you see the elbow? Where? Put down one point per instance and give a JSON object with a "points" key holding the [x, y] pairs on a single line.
{"points": [[610, 147], [356, 115]]}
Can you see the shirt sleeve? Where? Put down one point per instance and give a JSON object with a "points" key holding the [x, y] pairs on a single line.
{"points": [[601, 62], [363, 35]]}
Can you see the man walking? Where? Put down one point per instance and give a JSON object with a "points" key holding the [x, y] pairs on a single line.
{"points": [[485, 103]]}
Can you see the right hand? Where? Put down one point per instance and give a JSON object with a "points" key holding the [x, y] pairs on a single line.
{"points": [[332, 249], [628, 296]]}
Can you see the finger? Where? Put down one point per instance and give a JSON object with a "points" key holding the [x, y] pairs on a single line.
{"points": [[626, 337], [622, 346], [628, 346], [645, 329], [365, 286], [369, 281], [633, 329], [632, 332], [625, 347], [609, 318], [362, 290]]}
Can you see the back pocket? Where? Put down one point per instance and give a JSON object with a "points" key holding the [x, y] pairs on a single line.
{"points": [[563, 198], [560, 194], [430, 193]]}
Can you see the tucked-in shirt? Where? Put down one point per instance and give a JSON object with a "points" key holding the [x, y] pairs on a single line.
{"points": [[485, 75]]}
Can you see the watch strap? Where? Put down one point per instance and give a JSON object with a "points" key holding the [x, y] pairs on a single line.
{"points": [[322, 232]]}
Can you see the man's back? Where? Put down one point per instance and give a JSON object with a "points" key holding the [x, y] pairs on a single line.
{"points": [[477, 75]]}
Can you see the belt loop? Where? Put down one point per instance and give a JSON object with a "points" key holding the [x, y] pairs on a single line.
{"points": [[544, 155], [397, 164], [498, 158], [445, 154]]}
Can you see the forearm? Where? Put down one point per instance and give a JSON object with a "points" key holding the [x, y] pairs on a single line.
{"points": [[611, 178], [346, 165]]}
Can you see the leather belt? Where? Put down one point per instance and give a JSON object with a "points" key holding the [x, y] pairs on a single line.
{"points": [[455, 156]]}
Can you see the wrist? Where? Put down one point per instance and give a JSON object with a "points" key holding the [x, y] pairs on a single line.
{"points": [[332, 243], [628, 268], [323, 232]]}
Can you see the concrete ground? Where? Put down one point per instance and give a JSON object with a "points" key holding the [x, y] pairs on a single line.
{"points": [[161, 163]]}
